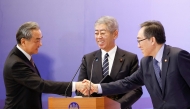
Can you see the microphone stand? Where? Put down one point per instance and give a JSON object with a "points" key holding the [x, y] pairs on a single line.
{"points": [[72, 81], [91, 76]]}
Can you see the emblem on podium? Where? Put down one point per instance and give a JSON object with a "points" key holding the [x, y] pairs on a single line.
{"points": [[73, 105]]}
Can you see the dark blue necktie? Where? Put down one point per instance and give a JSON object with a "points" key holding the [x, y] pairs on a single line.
{"points": [[105, 65], [157, 72]]}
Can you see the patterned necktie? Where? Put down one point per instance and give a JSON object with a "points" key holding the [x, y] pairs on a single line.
{"points": [[105, 65], [31, 60], [157, 72]]}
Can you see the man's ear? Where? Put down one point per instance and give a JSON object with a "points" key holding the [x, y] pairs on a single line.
{"points": [[23, 41], [153, 40], [115, 34]]}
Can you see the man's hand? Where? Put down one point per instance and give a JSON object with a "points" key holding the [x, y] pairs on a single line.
{"points": [[94, 87], [86, 87], [80, 86]]}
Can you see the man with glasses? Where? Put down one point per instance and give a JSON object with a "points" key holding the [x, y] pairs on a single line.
{"points": [[164, 70], [110, 60]]}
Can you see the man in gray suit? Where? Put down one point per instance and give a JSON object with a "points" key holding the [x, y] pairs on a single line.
{"points": [[164, 70], [120, 63]]}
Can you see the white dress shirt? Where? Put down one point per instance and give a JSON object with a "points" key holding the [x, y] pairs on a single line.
{"points": [[111, 57]]}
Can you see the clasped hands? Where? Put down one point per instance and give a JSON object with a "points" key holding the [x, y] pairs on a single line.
{"points": [[86, 87]]}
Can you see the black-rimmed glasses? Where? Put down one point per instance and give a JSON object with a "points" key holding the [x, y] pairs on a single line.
{"points": [[141, 40]]}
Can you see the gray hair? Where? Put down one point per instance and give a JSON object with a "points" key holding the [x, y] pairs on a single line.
{"points": [[109, 21], [25, 31]]}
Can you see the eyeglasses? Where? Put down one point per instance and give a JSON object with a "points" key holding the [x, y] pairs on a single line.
{"points": [[141, 40]]}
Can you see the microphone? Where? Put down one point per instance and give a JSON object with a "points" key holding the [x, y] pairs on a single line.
{"points": [[96, 58], [72, 79]]}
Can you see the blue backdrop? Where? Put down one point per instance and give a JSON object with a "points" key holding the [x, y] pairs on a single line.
{"points": [[68, 31]]}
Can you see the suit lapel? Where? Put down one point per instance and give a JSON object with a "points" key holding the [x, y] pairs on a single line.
{"points": [[118, 62], [165, 62], [21, 55], [37, 71], [97, 71]]}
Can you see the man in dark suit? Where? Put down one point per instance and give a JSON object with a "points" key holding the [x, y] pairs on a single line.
{"points": [[164, 70], [21, 77], [121, 63]]}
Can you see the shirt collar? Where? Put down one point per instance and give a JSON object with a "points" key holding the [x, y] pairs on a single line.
{"points": [[111, 52], [26, 54], [160, 54]]}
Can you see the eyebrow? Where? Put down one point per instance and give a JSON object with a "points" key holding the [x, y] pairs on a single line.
{"points": [[101, 30], [39, 38]]}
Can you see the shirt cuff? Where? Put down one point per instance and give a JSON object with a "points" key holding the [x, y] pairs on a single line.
{"points": [[73, 87], [99, 89]]}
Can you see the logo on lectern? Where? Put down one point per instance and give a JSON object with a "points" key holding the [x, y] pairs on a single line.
{"points": [[73, 105]]}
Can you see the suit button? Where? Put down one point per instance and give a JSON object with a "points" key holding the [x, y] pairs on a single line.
{"points": [[164, 101]]}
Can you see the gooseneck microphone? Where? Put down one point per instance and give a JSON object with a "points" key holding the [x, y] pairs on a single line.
{"points": [[91, 75], [72, 79]]}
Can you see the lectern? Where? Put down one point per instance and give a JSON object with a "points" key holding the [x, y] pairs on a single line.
{"points": [[84, 103]]}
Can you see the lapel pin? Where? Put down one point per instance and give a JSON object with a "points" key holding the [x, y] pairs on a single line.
{"points": [[121, 60], [165, 60]]}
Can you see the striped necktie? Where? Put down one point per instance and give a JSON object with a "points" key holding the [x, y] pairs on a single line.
{"points": [[105, 65]]}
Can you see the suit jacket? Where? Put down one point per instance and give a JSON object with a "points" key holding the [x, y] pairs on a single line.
{"points": [[125, 63], [175, 93], [24, 85]]}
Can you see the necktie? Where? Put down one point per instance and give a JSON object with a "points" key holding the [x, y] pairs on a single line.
{"points": [[31, 60], [157, 72], [105, 65]]}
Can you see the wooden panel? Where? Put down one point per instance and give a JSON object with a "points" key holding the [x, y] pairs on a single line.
{"points": [[84, 103]]}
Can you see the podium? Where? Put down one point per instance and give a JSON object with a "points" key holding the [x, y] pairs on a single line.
{"points": [[84, 103]]}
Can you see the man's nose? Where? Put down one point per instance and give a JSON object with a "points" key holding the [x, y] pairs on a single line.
{"points": [[40, 43], [138, 45]]}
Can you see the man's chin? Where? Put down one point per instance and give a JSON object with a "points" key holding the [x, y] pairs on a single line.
{"points": [[35, 52], [101, 47], [144, 55]]}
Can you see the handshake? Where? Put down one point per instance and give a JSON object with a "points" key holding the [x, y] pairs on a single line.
{"points": [[86, 87]]}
